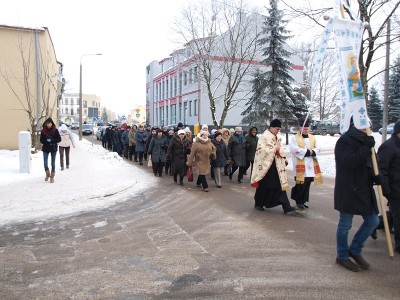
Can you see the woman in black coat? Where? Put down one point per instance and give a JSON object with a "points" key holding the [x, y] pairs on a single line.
{"points": [[354, 195], [49, 137], [237, 153], [221, 157], [157, 148], [177, 152]]}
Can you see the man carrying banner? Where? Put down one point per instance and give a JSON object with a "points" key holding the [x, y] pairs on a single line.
{"points": [[306, 169], [354, 195]]}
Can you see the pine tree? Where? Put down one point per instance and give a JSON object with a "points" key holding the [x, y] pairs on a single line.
{"points": [[394, 93], [278, 98], [256, 112], [374, 109]]}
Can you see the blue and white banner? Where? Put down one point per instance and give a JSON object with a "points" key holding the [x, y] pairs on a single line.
{"points": [[348, 38]]}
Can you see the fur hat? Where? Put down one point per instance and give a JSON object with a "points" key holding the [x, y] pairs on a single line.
{"points": [[181, 131], [275, 123], [180, 125], [217, 133]]}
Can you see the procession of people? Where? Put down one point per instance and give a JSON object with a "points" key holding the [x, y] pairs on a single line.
{"points": [[177, 152]]}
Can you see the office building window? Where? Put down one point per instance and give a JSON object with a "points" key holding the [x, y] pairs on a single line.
{"points": [[195, 107], [185, 75], [190, 108], [190, 76], [195, 74], [180, 111], [173, 114], [66, 101]]}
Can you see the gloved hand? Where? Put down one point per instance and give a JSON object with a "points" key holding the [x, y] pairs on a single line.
{"points": [[369, 141], [378, 179]]}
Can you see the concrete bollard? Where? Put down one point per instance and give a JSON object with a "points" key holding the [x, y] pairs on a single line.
{"points": [[24, 146]]}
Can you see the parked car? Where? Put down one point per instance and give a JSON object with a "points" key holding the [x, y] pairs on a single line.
{"points": [[389, 129], [100, 131], [326, 127], [87, 129], [75, 125]]}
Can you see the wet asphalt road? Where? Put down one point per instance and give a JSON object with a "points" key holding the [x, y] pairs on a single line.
{"points": [[174, 242]]}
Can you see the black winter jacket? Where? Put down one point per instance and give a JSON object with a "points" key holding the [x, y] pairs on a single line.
{"points": [[354, 193], [389, 165], [49, 137]]}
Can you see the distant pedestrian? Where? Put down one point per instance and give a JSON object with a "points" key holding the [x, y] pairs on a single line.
{"points": [[177, 152], [237, 153], [221, 157], [49, 137], [251, 146], [157, 149], [141, 139], [67, 138], [203, 151]]}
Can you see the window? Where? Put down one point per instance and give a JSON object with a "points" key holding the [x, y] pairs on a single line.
{"points": [[180, 111], [195, 108], [173, 114], [180, 83], [190, 108], [72, 111], [195, 74], [190, 76], [185, 74], [167, 89], [184, 112], [66, 101]]}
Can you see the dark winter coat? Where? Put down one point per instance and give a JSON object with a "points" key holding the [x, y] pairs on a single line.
{"points": [[141, 139], [177, 152], [389, 165], [158, 148], [237, 150], [222, 154], [354, 193], [251, 145], [49, 137], [125, 137]]}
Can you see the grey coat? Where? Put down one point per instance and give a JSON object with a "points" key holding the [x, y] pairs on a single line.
{"points": [[157, 149], [141, 139]]}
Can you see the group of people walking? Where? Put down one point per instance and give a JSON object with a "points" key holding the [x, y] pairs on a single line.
{"points": [[223, 152]]}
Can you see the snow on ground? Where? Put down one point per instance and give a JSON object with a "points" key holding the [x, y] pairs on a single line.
{"points": [[96, 179]]}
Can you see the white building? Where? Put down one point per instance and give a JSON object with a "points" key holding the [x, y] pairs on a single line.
{"points": [[68, 108], [176, 93]]}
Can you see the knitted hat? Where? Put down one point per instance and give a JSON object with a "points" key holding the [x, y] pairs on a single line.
{"points": [[275, 123], [213, 131], [217, 133], [181, 131]]}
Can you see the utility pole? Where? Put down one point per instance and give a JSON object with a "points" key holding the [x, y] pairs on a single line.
{"points": [[386, 90]]}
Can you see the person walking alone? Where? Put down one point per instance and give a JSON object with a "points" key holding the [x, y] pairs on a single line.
{"points": [[65, 145], [49, 137]]}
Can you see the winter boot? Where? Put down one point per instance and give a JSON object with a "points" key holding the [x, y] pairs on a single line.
{"points": [[52, 177], [181, 180], [47, 175], [175, 178]]}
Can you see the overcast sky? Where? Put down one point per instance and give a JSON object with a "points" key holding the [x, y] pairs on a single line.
{"points": [[129, 34]]}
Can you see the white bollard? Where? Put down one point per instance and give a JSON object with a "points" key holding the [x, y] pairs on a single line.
{"points": [[24, 146]]}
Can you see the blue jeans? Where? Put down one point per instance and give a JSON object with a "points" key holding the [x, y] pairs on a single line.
{"points": [[362, 234], [53, 160]]}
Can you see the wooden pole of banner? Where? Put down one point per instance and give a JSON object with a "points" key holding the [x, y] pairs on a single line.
{"points": [[379, 187], [381, 202]]}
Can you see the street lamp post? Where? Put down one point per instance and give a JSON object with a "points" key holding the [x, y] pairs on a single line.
{"points": [[80, 95]]}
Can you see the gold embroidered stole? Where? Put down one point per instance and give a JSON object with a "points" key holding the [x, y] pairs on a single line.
{"points": [[300, 163]]}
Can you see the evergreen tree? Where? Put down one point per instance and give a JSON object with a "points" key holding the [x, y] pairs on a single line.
{"points": [[256, 112], [394, 93], [374, 109], [278, 98]]}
